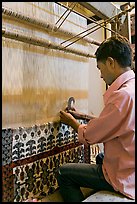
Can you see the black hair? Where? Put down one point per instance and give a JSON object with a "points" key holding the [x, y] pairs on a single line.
{"points": [[116, 47]]}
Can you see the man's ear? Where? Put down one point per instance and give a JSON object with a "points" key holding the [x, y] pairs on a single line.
{"points": [[110, 62]]}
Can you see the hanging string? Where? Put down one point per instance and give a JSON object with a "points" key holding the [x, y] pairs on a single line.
{"points": [[41, 24]]}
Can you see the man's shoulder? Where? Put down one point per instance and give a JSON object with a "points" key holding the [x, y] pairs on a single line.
{"points": [[122, 97]]}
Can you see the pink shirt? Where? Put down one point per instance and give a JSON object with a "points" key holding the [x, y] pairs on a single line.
{"points": [[115, 128]]}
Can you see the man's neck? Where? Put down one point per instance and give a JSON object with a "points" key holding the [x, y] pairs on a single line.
{"points": [[122, 70]]}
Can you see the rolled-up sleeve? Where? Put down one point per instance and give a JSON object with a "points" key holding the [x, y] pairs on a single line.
{"points": [[104, 128]]}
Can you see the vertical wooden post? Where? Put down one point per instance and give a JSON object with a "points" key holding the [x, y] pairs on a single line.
{"points": [[125, 28], [87, 154]]}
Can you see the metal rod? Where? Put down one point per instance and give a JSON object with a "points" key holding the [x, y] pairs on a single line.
{"points": [[89, 34], [63, 14], [44, 25], [42, 43], [123, 12], [67, 16], [119, 15], [79, 34], [106, 21], [82, 15]]}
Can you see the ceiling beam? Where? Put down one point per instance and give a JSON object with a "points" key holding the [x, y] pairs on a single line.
{"points": [[104, 10]]}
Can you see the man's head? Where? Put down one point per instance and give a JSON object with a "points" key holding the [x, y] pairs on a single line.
{"points": [[114, 56]]}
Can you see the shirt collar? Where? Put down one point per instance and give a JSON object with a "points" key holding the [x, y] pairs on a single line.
{"points": [[118, 82]]}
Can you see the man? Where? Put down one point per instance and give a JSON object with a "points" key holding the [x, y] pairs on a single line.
{"points": [[115, 128]]}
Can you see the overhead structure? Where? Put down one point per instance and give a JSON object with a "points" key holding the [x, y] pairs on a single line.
{"points": [[106, 10], [101, 10]]}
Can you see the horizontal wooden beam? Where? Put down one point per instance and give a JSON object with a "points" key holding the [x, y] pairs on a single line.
{"points": [[104, 10]]}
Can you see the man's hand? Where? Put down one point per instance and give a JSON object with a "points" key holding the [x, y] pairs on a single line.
{"points": [[76, 114], [68, 119], [82, 116]]}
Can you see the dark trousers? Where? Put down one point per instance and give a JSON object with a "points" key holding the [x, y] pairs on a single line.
{"points": [[72, 176]]}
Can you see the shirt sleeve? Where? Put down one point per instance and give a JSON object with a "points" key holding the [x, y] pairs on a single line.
{"points": [[102, 129]]}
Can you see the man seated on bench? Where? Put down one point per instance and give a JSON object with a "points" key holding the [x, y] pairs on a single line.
{"points": [[115, 128]]}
